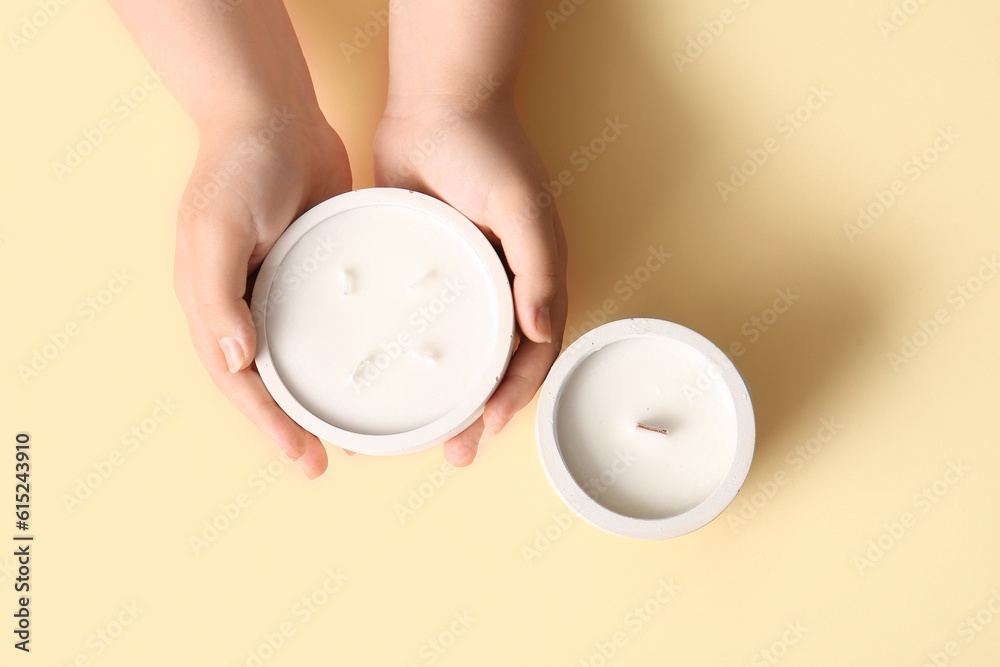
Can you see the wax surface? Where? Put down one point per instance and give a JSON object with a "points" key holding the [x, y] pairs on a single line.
{"points": [[380, 319], [636, 472]]}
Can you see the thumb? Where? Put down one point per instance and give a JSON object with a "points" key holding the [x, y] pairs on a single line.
{"points": [[236, 335], [534, 245], [211, 280]]}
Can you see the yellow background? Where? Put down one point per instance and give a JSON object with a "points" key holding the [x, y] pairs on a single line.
{"points": [[785, 557]]}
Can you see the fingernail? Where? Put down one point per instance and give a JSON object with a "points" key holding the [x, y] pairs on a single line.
{"points": [[462, 457], [314, 461], [474, 452], [543, 322], [234, 353], [484, 438], [493, 423]]}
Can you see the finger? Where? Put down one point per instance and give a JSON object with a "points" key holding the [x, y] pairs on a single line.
{"points": [[247, 392], [534, 245], [210, 277], [532, 360], [525, 374], [461, 450]]}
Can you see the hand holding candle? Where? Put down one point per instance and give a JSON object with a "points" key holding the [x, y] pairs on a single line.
{"points": [[450, 130], [222, 243], [265, 155]]}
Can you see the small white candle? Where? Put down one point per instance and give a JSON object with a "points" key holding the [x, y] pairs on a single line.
{"points": [[645, 428], [384, 321]]}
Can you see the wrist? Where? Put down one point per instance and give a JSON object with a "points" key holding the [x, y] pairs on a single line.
{"points": [[443, 52], [482, 95], [252, 100], [265, 117]]}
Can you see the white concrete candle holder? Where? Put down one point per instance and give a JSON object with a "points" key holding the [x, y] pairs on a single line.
{"points": [[645, 429], [384, 321]]}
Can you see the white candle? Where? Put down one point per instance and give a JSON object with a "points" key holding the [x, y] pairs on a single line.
{"points": [[384, 321], [645, 428]]}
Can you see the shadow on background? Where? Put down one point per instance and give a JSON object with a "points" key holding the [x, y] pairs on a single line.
{"points": [[598, 76], [346, 46], [655, 185]]}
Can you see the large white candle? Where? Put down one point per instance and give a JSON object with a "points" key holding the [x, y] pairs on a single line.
{"points": [[385, 321], [645, 428]]}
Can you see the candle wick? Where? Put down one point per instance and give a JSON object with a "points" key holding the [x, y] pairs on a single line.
{"points": [[345, 281], [358, 369], [419, 281], [645, 427], [423, 354]]}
